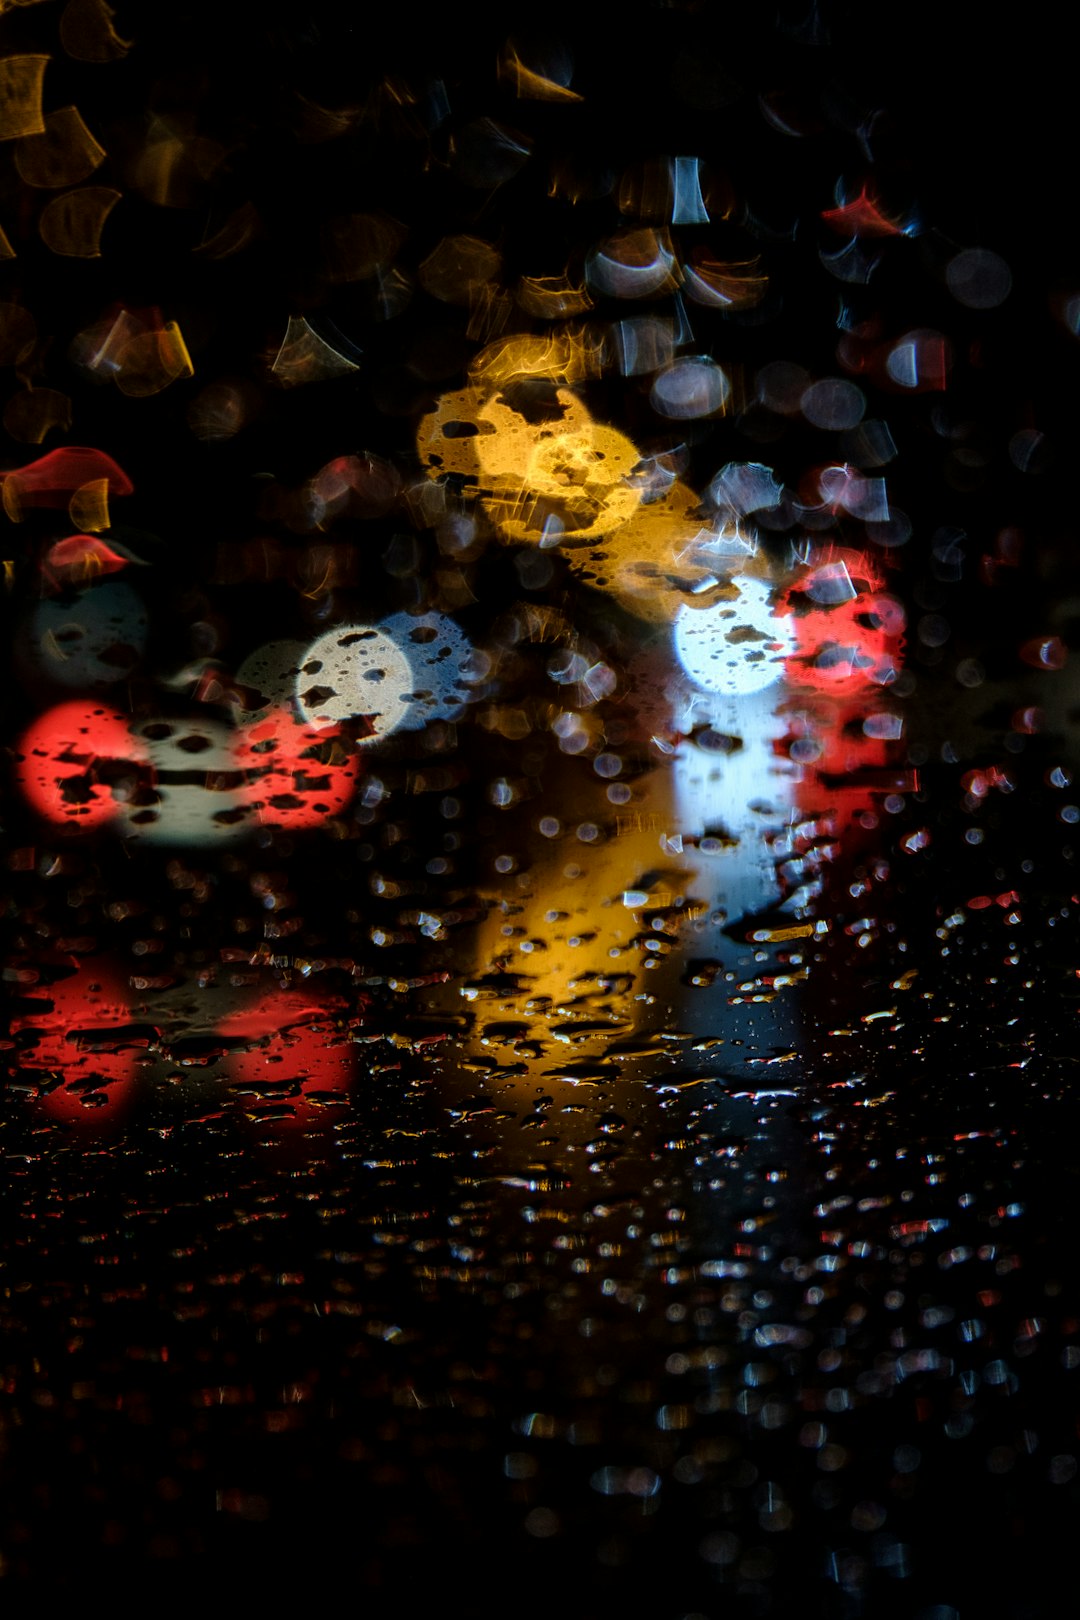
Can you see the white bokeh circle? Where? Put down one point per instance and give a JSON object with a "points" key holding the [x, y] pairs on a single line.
{"points": [[443, 663], [736, 647], [355, 670]]}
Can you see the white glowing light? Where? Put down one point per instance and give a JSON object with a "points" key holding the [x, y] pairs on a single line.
{"points": [[270, 672], [355, 670], [443, 662], [691, 387], [633, 264], [73, 642], [688, 205], [737, 647], [745, 486], [194, 785]]}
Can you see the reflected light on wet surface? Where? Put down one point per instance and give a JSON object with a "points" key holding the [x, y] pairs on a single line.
{"points": [[80, 1049]]}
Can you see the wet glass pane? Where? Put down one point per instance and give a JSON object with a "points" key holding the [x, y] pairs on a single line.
{"points": [[540, 810]]}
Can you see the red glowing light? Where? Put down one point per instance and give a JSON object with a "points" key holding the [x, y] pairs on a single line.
{"points": [[846, 648], [297, 1061], [63, 757], [78, 1024], [1045, 652], [295, 775], [52, 479], [862, 216], [79, 559]]}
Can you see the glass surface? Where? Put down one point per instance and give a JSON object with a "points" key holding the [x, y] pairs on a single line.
{"points": [[541, 810]]}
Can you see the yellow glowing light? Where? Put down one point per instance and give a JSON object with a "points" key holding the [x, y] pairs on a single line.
{"points": [[555, 478], [528, 83], [174, 166], [552, 298], [305, 357], [150, 362], [556, 482], [724, 284], [87, 32], [29, 416], [63, 153], [71, 225], [780, 936], [491, 309], [446, 436], [458, 268], [89, 506], [654, 562], [21, 79], [558, 356]]}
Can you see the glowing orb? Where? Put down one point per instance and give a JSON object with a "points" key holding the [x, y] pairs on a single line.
{"points": [[355, 671], [443, 663], [736, 647]]}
